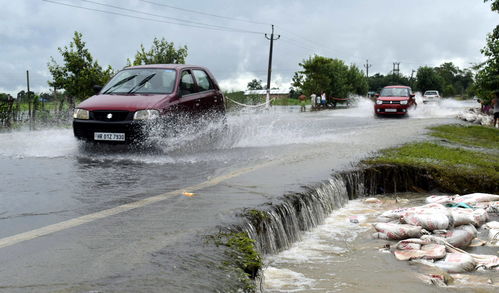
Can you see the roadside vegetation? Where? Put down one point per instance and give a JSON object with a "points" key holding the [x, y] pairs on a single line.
{"points": [[450, 161]]}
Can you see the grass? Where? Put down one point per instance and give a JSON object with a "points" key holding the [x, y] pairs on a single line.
{"points": [[436, 156], [477, 136], [452, 165]]}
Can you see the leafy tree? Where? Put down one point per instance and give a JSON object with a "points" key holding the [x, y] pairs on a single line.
{"points": [[255, 84], [79, 72], [428, 79], [487, 78], [161, 52], [322, 74]]}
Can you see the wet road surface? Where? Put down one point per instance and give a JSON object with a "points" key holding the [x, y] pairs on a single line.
{"points": [[49, 178]]}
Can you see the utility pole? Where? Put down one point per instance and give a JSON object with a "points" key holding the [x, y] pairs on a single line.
{"points": [[269, 72], [30, 114], [396, 68], [367, 66]]}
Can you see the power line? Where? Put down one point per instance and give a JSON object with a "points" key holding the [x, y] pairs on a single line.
{"points": [[205, 13], [162, 16], [184, 23]]}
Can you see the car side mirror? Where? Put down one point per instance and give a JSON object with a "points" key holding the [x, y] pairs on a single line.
{"points": [[97, 88], [376, 95], [412, 95]]}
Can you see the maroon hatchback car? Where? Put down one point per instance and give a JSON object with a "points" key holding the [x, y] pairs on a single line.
{"points": [[141, 95], [394, 100]]}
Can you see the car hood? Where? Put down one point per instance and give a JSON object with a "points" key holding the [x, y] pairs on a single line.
{"points": [[393, 98], [122, 102]]}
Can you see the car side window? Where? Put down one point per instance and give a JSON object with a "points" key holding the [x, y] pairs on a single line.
{"points": [[204, 82], [187, 83]]}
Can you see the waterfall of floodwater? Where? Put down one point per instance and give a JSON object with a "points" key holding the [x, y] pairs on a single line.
{"points": [[286, 221]]}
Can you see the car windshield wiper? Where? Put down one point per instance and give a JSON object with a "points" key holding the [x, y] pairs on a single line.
{"points": [[141, 83], [119, 83]]}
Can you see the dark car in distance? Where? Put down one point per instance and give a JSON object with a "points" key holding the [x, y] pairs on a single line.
{"points": [[394, 100], [138, 96]]}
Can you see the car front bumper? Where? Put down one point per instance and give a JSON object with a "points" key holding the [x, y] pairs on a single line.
{"points": [[86, 129], [391, 109]]}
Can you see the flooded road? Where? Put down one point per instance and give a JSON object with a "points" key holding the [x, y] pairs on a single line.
{"points": [[49, 178]]}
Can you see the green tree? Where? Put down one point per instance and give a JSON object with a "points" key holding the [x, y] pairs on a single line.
{"points": [[255, 84], [322, 74], [79, 72], [428, 79], [161, 52], [487, 78]]}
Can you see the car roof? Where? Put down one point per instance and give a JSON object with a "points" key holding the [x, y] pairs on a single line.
{"points": [[165, 66], [397, 86]]}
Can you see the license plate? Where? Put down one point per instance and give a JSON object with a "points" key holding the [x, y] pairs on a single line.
{"points": [[109, 136], [390, 110]]}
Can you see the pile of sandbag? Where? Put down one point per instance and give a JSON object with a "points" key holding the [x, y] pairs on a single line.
{"points": [[475, 116], [436, 232]]}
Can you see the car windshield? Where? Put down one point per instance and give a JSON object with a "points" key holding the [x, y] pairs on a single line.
{"points": [[394, 92], [430, 93], [141, 81]]}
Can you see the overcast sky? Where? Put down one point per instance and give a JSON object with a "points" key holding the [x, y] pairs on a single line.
{"points": [[414, 33]]}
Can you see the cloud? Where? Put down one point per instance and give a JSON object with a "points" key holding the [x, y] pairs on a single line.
{"points": [[414, 33]]}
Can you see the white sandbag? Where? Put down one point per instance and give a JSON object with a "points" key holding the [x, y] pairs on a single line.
{"points": [[393, 214], [398, 231], [491, 225], [434, 251], [476, 197], [460, 237], [469, 216], [462, 216], [492, 207], [408, 245], [481, 216], [457, 263], [441, 199], [427, 251], [494, 235], [430, 219]]}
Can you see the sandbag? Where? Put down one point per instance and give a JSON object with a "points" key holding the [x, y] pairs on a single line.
{"points": [[427, 251], [460, 237], [392, 215], [457, 263], [441, 199], [476, 197], [398, 231], [491, 225], [430, 219], [469, 216], [434, 251]]}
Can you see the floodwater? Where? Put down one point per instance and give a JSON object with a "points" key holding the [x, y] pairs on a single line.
{"points": [[340, 255], [47, 177]]}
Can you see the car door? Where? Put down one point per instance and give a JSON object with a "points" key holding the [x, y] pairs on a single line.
{"points": [[190, 100], [211, 98]]}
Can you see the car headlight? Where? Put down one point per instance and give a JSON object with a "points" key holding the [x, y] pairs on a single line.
{"points": [[379, 102], [81, 114], [403, 102], [146, 115]]}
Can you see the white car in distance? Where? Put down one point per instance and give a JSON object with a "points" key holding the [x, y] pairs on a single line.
{"points": [[431, 96]]}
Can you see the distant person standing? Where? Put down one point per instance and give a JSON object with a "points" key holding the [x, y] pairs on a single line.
{"points": [[495, 103], [312, 100], [302, 98], [318, 103], [323, 99]]}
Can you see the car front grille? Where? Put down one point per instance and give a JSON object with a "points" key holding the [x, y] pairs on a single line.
{"points": [[391, 102], [114, 116]]}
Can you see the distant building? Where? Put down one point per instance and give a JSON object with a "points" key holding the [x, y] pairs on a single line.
{"points": [[275, 93]]}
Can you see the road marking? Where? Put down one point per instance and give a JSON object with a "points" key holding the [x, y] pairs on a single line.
{"points": [[11, 240]]}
